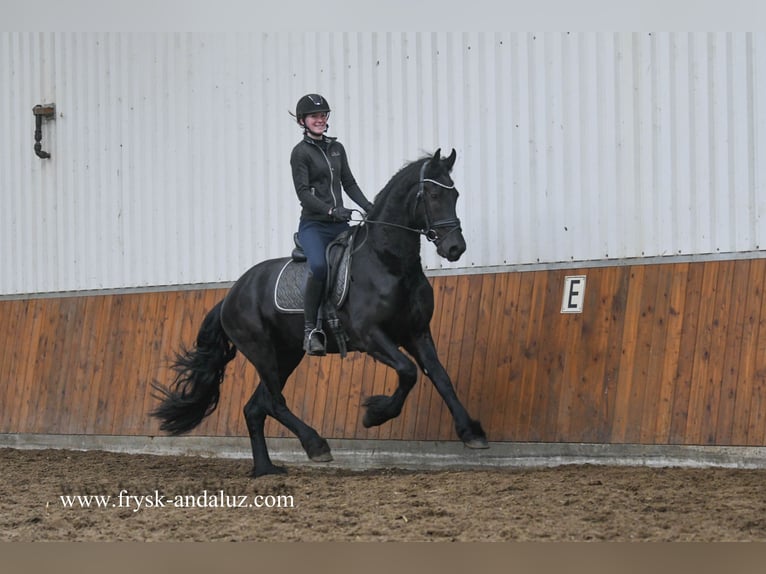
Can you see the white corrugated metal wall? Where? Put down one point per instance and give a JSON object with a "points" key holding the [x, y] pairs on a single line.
{"points": [[170, 151]]}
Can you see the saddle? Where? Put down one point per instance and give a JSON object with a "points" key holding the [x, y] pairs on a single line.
{"points": [[288, 291]]}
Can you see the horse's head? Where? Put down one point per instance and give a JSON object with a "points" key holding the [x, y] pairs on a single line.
{"points": [[435, 206]]}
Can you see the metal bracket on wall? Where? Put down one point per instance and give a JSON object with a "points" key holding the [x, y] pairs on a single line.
{"points": [[47, 111]]}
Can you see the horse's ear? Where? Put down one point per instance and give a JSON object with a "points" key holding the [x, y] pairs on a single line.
{"points": [[450, 161], [437, 155]]}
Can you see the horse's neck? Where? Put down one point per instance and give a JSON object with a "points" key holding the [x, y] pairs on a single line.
{"points": [[395, 239]]}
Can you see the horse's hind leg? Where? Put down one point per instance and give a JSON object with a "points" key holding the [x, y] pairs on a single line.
{"points": [[255, 412], [274, 368]]}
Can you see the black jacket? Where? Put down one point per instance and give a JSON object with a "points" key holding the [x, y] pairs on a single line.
{"points": [[320, 168]]}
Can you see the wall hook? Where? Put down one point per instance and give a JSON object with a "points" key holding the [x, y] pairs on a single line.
{"points": [[47, 111]]}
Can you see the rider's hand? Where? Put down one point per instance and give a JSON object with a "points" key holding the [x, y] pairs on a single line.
{"points": [[341, 213]]}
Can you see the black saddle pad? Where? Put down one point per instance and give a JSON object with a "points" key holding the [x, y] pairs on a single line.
{"points": [[291, 281]]}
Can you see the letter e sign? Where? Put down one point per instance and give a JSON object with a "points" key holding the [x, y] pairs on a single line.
{"points": [[574, 294]]}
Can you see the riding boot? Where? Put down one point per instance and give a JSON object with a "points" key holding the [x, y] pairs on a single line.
{"points": [[313, 338]]}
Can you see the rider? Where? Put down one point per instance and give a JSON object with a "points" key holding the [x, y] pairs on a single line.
{"points": [[320, 167]]}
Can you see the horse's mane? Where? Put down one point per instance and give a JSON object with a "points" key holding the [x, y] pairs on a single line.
{"points": [[403, 179]]}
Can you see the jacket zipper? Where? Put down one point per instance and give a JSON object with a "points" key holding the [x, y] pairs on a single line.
{"points": [[329, 166]]}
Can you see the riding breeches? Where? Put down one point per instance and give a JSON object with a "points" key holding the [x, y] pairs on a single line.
{"points": [[314, 237]]}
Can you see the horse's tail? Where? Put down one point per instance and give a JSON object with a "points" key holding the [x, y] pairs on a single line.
{"points": [[194, 393]]}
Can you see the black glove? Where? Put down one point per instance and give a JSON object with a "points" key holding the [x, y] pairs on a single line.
{"points": [[340, 213]]}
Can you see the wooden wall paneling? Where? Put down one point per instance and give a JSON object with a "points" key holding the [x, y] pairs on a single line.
{"points": [[748, 353], [518, 407], [653, 383], [724, 322], [101, 368], [672, 349], [702, 358], [38, 365], [335, 384], [541, 317], [687, 353], [61, 413], [490, 372], [346, 409], [566, 326], [338, 396], [480, 361], [662, 354], [86, 361], [168, 346], [42, 365], [467, 344], [81, 359], [113, 397], [16, 316], [647, 324], [613, 364], [569, 372], [624, 390], [317, 391], [503, 374], [107, 350], [545, 347], [53, 412], [721, 432], [584, 424], [119, 402], [32, 356], [756, 430], [18, 358], [9, 315]]}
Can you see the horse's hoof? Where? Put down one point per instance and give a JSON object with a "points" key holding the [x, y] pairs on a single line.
{"points": [[270, 469], [322, 457], [480, 442]]}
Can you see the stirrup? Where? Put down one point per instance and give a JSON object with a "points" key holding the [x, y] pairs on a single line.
{"points": [[314, 342]]}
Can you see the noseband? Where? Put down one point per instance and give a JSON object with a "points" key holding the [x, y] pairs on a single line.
{"points": [[429, 232]]}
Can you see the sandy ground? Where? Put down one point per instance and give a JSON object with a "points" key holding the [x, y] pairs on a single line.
{"points": [[44, 496]]}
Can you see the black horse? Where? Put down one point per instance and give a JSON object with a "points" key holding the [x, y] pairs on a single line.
{"points": [[389, 306]]}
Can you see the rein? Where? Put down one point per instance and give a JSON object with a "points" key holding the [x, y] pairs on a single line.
{"points": [[429, 232]]}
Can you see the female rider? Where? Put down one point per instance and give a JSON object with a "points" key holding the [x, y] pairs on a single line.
{"points": [[320, 167]]}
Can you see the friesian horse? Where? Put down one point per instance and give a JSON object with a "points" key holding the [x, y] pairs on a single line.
{"points": [[388, 307]]}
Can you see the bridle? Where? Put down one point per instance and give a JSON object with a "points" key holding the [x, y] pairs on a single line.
{"points": [[429, 231]]}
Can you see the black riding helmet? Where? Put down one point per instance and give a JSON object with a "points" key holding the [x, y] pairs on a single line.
{"points": [[310, 104]]}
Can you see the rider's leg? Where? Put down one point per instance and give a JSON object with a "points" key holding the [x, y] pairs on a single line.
{"points": [[313, 340], [314, 239], [315, 236]]}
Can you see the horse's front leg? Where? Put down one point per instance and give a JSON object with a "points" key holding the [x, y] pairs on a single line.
{"points": [[382, 408], [422, 348]]}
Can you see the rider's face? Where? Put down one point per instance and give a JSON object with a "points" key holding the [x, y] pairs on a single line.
{"points": [[316, 123]]}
